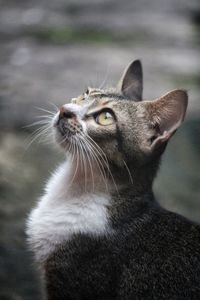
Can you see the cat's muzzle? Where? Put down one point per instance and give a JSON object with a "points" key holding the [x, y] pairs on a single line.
{"points": [[67, 123]]}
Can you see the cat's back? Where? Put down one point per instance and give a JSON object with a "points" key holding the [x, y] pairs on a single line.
{"points": [[140, 260], [165, 260]]}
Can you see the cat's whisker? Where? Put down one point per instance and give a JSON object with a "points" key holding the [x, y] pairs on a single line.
{"points": [[89, 160], [42, 122], [85, 167], [92, 150], [50, 117], [84, 163], [128, 170], [98, 162], [77, 160], [100, 151], [37, 134], [104, 157], [45, 110], [37, 130], [43, 135], [55, 106], [94, 145], [105, 78], [73, 157], [68, 149], [81, 155], [100, 167], [63, 140], [98, 156]]}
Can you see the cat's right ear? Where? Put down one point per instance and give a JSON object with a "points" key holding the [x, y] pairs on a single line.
{"points": [[165, 115], [131, 83]]}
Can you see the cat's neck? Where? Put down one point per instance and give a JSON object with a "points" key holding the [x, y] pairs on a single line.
{"points": [[74, 204], [75, 179]]}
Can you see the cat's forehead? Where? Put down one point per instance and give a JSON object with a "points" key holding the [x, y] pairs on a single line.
{"points": [[94, 100], [96, 97], [110, 98]]}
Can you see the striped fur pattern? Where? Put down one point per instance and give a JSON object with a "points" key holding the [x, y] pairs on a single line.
{"points": [[98, 232]]}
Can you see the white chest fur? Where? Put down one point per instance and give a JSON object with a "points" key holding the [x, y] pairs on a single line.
{"points": [[62, 212]]}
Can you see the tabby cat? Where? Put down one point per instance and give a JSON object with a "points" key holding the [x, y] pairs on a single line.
{"points": [[98, 232]]}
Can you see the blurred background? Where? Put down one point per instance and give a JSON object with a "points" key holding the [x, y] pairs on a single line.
{"points": [[50, 52]]}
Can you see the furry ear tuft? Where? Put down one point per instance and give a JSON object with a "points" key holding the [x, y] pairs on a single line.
{"points": [[131, 83], [166, 115]]}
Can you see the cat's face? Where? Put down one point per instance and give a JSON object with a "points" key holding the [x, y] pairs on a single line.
{"points": [[115, 127]]}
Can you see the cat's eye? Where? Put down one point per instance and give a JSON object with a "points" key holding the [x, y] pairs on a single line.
{"points": [[104, 118]]}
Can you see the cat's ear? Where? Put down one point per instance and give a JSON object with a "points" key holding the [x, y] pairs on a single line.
{"points": [[166, 114], [131, 83]]}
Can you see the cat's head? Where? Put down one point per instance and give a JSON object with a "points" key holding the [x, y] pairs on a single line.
{"points": [[117, 127]]}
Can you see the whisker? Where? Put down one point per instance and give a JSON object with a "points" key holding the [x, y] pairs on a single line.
{"points": [[100, 151], [45, 110], [98, 162], [104, 157], [84, 165], [100, 166], [55, 106], [106, 77], [90, 164], [33, 140], [39, 132], [42, 122], [129, 172], [45, 117], [77, 163]]}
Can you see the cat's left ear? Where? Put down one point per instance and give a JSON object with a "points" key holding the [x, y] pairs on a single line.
{"points": [[131, 83], [166, 114]]}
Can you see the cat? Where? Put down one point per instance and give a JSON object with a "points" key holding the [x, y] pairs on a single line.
{"points": [[98, 232]]}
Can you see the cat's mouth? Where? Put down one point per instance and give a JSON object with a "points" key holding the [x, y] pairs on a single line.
{"points": [[68, 127]]}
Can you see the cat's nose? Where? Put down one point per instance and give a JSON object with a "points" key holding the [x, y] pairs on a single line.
{"points": [[66, 113]]}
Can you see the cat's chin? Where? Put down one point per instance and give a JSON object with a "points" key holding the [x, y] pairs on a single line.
{"points": [[62, 139]]}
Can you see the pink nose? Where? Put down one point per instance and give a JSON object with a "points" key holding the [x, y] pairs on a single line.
{"points": [[66, 113]]}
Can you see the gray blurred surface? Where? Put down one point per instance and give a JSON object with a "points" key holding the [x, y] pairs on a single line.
{"points": [[50, 52]]}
